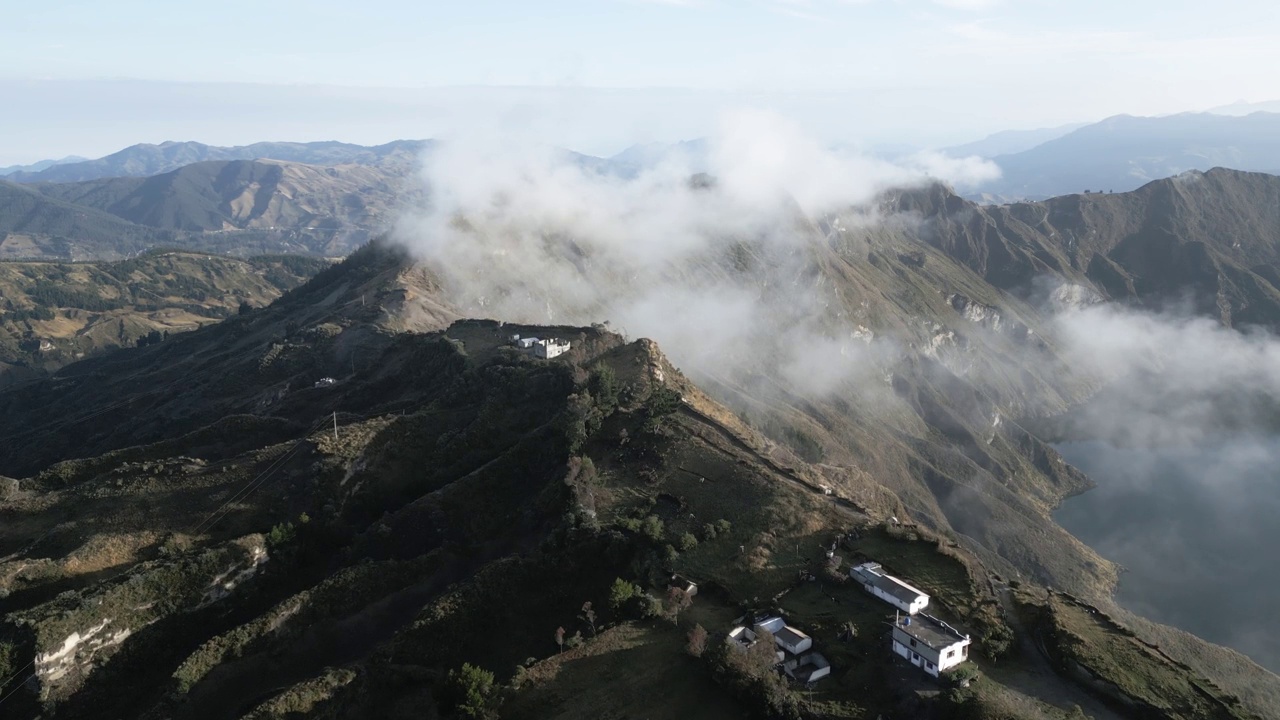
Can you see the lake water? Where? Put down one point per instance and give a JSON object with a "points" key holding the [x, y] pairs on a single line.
{"points": [[1197, 530]]}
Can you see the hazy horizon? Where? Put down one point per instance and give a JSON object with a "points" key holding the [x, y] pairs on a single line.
{"points": [[599, 76]]}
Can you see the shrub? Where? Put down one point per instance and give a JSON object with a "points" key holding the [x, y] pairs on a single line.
{"points": [[663, 401], [963, 674], [997, 640], [280, 535], [468, 692], [697, 641], [604, 387], [652, 528], [621, 593]]}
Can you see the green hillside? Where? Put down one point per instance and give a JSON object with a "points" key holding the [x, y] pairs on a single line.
{"points": [[52, 314]]}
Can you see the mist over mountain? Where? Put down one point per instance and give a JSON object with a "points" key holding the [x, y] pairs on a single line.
{"points": [[1010, 141]]}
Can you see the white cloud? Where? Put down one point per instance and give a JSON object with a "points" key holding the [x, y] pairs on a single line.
{"points": [[717, 275]]}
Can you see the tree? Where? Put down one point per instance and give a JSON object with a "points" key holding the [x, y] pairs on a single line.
{"points": [[468, 692], [589, 617], [652, 528], [621, 593], [604, 387], [560, 638], [245, 308], [697, 641], [574, 641], [675, 602], [688, 542], [997, 640], [662, 401]]}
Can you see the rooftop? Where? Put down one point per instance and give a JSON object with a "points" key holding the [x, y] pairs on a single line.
{"points": [[871, 574], [790, 635], [931, 631]]}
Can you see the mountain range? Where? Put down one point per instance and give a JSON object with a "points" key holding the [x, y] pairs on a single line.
{"points": [[1124, 152], [242, 207], [357, 502], [328, 198], [145, 159]]}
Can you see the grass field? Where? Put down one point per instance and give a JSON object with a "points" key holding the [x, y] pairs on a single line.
{"points": [[627, 668]]}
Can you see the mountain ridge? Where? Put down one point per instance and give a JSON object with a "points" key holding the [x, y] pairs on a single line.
{"points": [[1124, 152], [146, 159]]}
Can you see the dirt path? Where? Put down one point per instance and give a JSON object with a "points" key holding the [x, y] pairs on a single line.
{"points": [[1035, 677]]}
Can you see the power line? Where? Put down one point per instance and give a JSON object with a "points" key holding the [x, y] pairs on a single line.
{"points": [[261, 477], [19, 685]]}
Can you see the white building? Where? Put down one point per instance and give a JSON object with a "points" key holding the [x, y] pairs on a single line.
{"points": [[549, 348], [897, 593], [807, 667], [792, 640], [744, 638], [793, 648], [929, 644], [787, 638]]}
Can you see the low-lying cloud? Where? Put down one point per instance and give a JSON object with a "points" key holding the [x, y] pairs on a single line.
{"points": [[712, 265]]}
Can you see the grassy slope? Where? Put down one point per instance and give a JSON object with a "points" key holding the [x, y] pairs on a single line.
{"points": [[84, 308]]}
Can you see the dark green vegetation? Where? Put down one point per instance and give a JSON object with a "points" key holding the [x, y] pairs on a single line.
{"points": [[52, 314]]}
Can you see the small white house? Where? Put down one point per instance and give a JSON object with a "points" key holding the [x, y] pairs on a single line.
{"points": [[552, 347], [897, 593], [929, 644], [549, 348], [792, 640]]}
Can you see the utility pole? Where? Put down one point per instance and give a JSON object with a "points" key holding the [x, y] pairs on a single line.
{"points": [[335, 425]]}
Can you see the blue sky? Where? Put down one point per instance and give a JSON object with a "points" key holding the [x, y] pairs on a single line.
{"points": [[911, 71]]}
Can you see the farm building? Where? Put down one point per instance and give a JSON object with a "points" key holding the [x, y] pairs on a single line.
{"points": [[547, 349], [683, 584], [807, 667], [792, 640], [929, 644], [897, 593], [743, 638]]}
